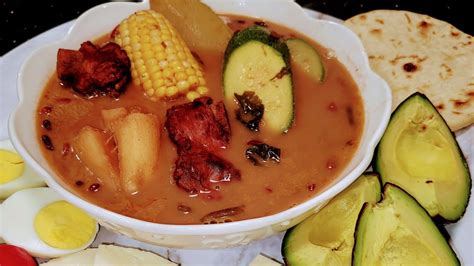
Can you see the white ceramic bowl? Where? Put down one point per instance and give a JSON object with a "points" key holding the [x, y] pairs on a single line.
{"points": [[102, 19]]}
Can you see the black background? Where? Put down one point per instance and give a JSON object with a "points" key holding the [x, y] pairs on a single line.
{"points": [[21, 20]]}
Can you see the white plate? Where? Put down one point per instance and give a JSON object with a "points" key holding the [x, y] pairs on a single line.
{"points": [[462, 233]]}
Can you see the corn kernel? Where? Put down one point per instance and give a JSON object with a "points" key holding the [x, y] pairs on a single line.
{"points": [[136, 47], [134, 74], [190, 71], [160, 56], [180, 76], [148, 54], [161, 91], [202, 90], [181, 55], [163, 64], [171, 91], [202, 81], [193, 80], [157, 75], [182, 85], [150, 92], [147, 85], [158, 83], [167, 73], [192, 95], [146, 42]]}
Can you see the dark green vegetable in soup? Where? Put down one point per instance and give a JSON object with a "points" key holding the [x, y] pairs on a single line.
{"points": [[259, 62], [307, 58]]}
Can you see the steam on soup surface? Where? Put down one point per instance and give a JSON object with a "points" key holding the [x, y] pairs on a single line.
{"points": [[326, 131]]}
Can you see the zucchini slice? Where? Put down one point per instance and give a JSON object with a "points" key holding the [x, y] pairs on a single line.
{"points": [[258, 62], [398, 231], [419, 153], [327, 238], [304, 56]]}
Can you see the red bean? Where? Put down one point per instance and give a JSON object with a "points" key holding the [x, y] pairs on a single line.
{"points": [[48, 144], [94, 187]]}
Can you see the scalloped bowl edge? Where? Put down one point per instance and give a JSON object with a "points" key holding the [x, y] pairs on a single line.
{"points": [[375, 92]]}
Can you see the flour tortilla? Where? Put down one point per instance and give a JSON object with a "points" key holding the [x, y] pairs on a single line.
{"points": [[415, 52]]}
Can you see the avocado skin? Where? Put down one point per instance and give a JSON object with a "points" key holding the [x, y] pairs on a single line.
{"points": [[367, 205], [369, 185], [376, 160]]}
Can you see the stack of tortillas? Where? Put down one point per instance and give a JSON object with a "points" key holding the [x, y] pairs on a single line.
{"points": [[414, 52]]}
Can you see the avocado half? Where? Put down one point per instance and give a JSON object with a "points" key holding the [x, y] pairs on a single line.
{"points": [[327, 237], [419, 153], [398, 231]]}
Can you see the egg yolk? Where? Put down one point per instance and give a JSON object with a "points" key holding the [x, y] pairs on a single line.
{"points": [[11, 166], [64, 226]]}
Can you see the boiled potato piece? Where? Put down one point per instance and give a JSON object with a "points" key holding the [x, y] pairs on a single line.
{"points": [[90, 146], [111, 116], [138, 140], [198, 25]]}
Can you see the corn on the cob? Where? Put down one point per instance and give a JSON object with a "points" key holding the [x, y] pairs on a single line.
{"points": [[161, 62]]}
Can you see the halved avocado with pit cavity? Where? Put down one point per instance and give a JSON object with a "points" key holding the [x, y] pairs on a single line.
{"points": [[398, 231], [419, 153], [327, 238]]}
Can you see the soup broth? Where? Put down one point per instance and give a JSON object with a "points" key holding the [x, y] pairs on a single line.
{"points": [[326, 132]]}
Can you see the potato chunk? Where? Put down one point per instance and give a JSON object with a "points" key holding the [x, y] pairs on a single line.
{"points": [[112, 116], [138, 140], [90, 147]]}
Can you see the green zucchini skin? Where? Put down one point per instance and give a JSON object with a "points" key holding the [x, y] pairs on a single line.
{"points": [[256, 33], [395, 160], [254, 50], [307, 58]]}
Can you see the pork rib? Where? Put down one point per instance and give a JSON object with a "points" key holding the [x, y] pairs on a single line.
{"points": [[199, 123], [199, 129], [94, 71]]}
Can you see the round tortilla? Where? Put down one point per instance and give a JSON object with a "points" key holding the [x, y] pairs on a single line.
{"points": [[415, 52]]}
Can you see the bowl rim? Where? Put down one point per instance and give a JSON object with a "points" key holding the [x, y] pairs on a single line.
{"points": [[282, 217]]}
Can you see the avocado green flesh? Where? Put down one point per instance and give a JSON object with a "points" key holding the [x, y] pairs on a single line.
{"points": [[398, 231], [419, 154], [254, 66], [307, 58], [326, 238]]}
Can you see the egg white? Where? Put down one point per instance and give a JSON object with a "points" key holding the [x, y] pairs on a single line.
{"points": [[28, 179], [17, 215]]}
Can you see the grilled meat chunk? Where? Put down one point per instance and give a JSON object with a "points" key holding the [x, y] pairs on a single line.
{"points": [[199, 123], [198, 129], [197, 169], [94, 71]]}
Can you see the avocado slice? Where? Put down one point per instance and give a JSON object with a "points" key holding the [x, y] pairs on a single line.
{"points": [[398, 231], [255, 61], [419, 153], [327, 238]]}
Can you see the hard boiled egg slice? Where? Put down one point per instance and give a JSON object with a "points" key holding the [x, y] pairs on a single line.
{"points": [[42, 223], [15, 175]]}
